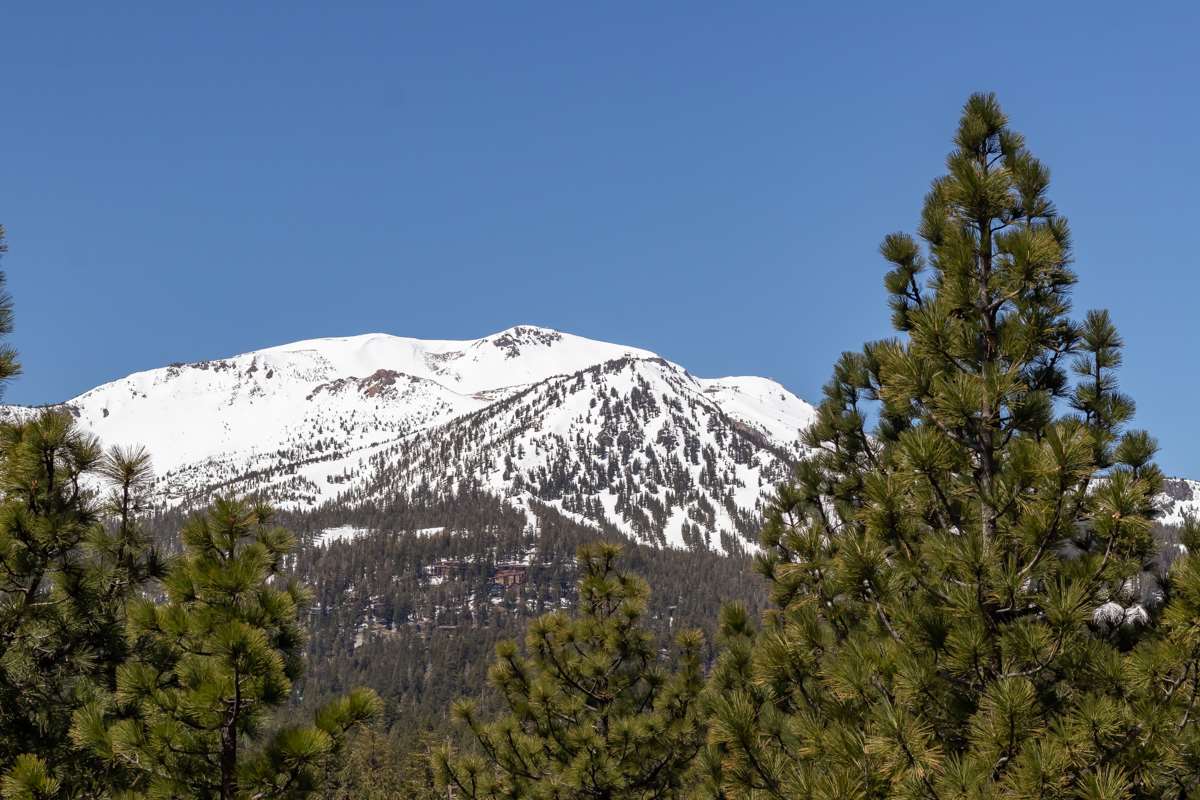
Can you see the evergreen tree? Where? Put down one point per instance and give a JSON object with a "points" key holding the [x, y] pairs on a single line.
{"points": [[212, 661], [592, 709], [9, 367], [70, 562], [375, 765], [967, 599], [60, 640]]}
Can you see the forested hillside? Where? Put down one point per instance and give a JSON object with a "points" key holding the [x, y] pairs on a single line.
{"points": [[406, 599]]}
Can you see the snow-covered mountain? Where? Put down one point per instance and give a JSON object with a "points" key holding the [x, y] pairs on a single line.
{"points": [[1180, 499], [610, 435]]}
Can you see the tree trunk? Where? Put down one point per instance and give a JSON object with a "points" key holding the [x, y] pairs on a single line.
{"points": [[989, 410], [229, 744], [229, 761]]}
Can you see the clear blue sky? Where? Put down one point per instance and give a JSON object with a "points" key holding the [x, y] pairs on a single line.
{"points": [[709, 181]]}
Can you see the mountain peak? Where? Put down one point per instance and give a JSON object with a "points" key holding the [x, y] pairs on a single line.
{"points": [[525, 330], [512, 340], [611, 435]]}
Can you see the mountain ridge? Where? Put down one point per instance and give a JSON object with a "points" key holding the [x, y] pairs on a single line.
{"points": [[336, 419], [611, 436]]}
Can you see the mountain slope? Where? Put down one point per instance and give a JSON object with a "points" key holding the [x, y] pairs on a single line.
{"points": [[635, 443], [613, 436]]}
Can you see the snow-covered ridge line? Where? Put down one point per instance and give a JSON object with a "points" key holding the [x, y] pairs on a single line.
{"points": [[662, 454]]}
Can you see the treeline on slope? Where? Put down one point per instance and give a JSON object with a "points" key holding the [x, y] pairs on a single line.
{"points": [[378, 620]]}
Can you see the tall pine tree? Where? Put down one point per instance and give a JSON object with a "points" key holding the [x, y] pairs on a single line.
{"points": [[593, 710], [9, 366], [968, 600], [71, 560], [212, 661]]}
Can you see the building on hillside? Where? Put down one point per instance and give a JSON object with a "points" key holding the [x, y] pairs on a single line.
{"points": [[446, 569], [511, 575]]}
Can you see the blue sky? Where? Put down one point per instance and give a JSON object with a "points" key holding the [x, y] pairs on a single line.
{"points": [[710, 181]]}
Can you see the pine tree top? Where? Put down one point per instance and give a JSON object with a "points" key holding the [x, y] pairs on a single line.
{"points": [[968, 600]]}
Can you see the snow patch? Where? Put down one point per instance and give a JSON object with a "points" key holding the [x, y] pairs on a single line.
{"points": [[339, 534]]}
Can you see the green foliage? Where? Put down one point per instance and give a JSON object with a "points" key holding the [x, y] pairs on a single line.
{"points": [[29, 780], [213, 661], [66, 578], [375, 765], [968, 600], [9, 367], [592, 710]]}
